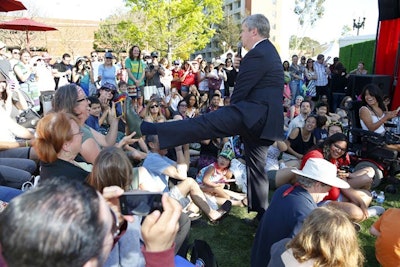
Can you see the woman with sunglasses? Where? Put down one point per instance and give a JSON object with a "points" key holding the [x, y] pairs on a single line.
{"points": [[72, 99], [353, 201], [153, 112]]}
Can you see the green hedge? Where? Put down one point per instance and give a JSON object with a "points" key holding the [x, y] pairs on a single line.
{"points": [[352, 54]]}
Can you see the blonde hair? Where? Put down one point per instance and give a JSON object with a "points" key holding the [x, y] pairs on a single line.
{"points": [[148, 116], [328, 237]]}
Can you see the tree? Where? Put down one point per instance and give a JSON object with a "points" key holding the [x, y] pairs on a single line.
{"points": [[178, 27], [305, 46], [308, 12], [120, 31], [227, 31]]}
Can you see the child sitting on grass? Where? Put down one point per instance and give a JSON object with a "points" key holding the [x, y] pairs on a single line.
{"points": [[214, 177], [96, 118]]}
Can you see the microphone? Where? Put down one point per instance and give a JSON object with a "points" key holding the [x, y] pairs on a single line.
{"points": [[239, 49]]}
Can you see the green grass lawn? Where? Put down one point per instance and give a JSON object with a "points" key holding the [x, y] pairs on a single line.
{"points": [[231, 240]]}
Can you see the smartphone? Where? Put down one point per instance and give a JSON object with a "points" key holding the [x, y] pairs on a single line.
{"points": [[344, 168], [140, 203]]}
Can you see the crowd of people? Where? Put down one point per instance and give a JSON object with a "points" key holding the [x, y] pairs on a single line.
{"points": [[182, 128]]}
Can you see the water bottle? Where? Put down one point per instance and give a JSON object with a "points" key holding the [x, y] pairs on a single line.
{"points": [[199, 263], [380, 198], [374, 194]]}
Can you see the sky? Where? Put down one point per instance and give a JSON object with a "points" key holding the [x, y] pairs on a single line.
{"points": [[337, 14]]}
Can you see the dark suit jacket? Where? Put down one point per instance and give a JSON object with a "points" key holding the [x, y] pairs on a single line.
{"points": [[259, 89]]}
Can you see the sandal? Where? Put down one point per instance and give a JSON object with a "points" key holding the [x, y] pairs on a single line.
{"points": [[224, 211]]}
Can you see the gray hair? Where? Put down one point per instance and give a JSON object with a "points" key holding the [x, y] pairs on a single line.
{"points": [[259, 22], [306, 182]]}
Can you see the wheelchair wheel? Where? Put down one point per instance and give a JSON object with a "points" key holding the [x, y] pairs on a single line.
{"points": [[378, 173]]}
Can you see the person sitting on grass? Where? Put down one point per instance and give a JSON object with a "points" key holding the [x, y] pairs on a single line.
{"points": [[96, 117], [327, 238], [214, 177], [291, 204], [162, 169], [106, 173]]}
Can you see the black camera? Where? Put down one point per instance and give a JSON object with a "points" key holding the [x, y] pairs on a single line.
{"points": [[86, 67]]}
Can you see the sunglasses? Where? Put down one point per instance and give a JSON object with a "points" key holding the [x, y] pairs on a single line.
{"points": [[154, 106], [15, 53], [176, 64]]}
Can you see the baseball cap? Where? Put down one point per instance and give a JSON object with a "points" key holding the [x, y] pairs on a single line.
{"points": [[109, 86], [227, 153], [108, 55], [154, 54], [322, 171]]}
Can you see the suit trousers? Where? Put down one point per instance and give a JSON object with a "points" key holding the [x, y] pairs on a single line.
{"points": [[226, 121]]}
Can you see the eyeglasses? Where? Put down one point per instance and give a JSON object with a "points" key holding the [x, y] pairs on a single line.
{"points": [[94, 55], [154, 106], [184, 106], [115, 224], [340, 149], [80, 132], [81, 100]]}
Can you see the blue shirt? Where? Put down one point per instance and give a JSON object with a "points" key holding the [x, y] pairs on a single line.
{"points": [[93, 122], [156, 164], [283, 218]]}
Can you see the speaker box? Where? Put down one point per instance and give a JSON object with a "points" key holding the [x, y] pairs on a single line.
{"points": [[358, 82]]}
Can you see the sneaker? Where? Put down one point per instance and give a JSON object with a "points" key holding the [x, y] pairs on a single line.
{"points": [[375, 211]]}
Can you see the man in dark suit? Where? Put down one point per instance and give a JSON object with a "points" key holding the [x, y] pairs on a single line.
{"points": [[255, 112]]}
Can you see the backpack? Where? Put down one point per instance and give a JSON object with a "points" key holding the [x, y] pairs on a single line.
{"points": [[201, 254]]}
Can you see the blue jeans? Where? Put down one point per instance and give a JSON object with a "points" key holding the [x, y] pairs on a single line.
{"points": [[294, 89]]}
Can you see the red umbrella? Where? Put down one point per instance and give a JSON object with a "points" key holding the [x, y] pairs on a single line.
{"points": [[11, 5], [26, 25]]}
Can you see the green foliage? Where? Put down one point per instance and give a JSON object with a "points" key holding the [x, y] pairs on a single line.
{"points": [[228, 31], [305, 46], [178, 27], [352, 54], [118, 33]]}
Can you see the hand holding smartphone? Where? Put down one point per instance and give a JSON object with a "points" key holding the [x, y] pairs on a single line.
{"points": [[140, 203]]}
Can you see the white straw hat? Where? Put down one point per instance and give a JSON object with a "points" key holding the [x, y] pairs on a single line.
{"points": [[323, 171]]}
